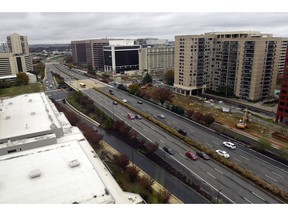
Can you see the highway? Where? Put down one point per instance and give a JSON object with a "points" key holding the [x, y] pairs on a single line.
{"points": [[210, 173]]}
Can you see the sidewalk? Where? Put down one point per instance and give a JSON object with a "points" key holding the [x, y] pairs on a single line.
{"points": [[156, 186]]}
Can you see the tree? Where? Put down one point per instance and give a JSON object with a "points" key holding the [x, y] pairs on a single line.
{"points": [[164, 195], [133, 88], [70, 66], [121, 160], [169, 77], [22, 79], [90, 69], [133, 173], [189, 113], [208, 119], [198, 116], [163, 95], [146, 182], [147, 79], [152, 147]]}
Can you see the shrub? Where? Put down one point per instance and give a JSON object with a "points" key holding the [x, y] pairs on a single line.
{"points": [[133, 173], [121, 160], [146, 182]]}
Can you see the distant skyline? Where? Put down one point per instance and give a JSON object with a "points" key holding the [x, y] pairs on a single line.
{"points": [[51, 28]]}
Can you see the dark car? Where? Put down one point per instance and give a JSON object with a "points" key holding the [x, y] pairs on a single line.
{"points": [[184, 133], [203, 155], [112, 93], [115, 102], [139, 117], [139, 102], [168, 150], [110, 90], [191, 155]]}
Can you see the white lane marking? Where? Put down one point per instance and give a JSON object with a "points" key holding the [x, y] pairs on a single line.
{"points": [[247, 200], [238, 160], [277, 174], [218, 171], [208, 144], [211, 175], [145, 129], [161, 141], [183, 156], [271, 178], [203, 180], [169, 138], [258, 196], [244, 157], [216, 143]]}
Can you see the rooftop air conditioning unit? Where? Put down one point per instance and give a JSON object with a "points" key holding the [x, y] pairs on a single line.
{"points": [[35, 173], [74, 163]]}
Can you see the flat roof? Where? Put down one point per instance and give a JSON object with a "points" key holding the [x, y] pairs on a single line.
{"points": [[57, 183], [27, 114]]}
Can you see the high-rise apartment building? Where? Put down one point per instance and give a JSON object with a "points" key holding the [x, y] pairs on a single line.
{"points": [[89, 52], [282, 111], [16, 58], [156, 58], [18, 44], [245, 63]]}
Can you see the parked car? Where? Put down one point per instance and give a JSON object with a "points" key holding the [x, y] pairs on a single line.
{"points": [[139, 102], [115, 102], [112, 93], [169, 150], [229, 145], [110, 90], [222, 153], [181, 131], [124, 100], [139, 117], [161, 116], [191, 155], [203, 155], [130, 116]]}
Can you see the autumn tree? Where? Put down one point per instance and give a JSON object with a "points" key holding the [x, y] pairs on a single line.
{"points": [[189, 113], [198, 116], [121, 160], [22, 79], [70, 66], [152, 147], [146, 182], [164, 196], [169, 77], [133, 173], [163, 95], [208, 119], [147, 79], [133, 88]]}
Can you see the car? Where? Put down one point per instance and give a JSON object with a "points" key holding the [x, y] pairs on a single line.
{"points": [[169, 150], [203, 155], [124, 100], [115, 102], [112, 93], [181, 131], [139, 117], [229, 145], [139, 102], [191, 155], [130, 116], [95, 128], [161, 116], [110, 90], [222, 153]]}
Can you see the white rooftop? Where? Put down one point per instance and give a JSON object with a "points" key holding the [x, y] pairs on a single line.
{"points": [[49, 169], [25, 115]]}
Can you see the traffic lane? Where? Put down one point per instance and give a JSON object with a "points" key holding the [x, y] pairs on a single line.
{"points": [[237, 199], [171, 183]]}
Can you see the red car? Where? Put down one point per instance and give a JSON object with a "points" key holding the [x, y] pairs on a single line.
{"points": [[191, 155]]}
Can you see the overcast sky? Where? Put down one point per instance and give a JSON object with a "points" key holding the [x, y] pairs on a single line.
{"points": [[65, 27]]}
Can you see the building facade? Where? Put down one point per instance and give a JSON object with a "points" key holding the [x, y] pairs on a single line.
{"points": [[282, 111], [15, 59], [156, 58], [118, 59], [89, 52], [244, 63]]}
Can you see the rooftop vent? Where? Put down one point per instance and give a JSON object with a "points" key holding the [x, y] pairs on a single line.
{"points": [[35, 173], [74, 163], [30, 100], [10, 103], [33, 113], [8, 117]]}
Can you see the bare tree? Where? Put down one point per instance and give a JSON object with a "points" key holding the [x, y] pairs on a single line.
{"points": [[163, 95]]}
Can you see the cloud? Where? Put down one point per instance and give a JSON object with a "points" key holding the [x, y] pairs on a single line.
{"points": [[64, 27]]}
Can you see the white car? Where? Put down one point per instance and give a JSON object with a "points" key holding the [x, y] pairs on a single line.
{"points": [[229, 145], [222, 153], [124, 100]]}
